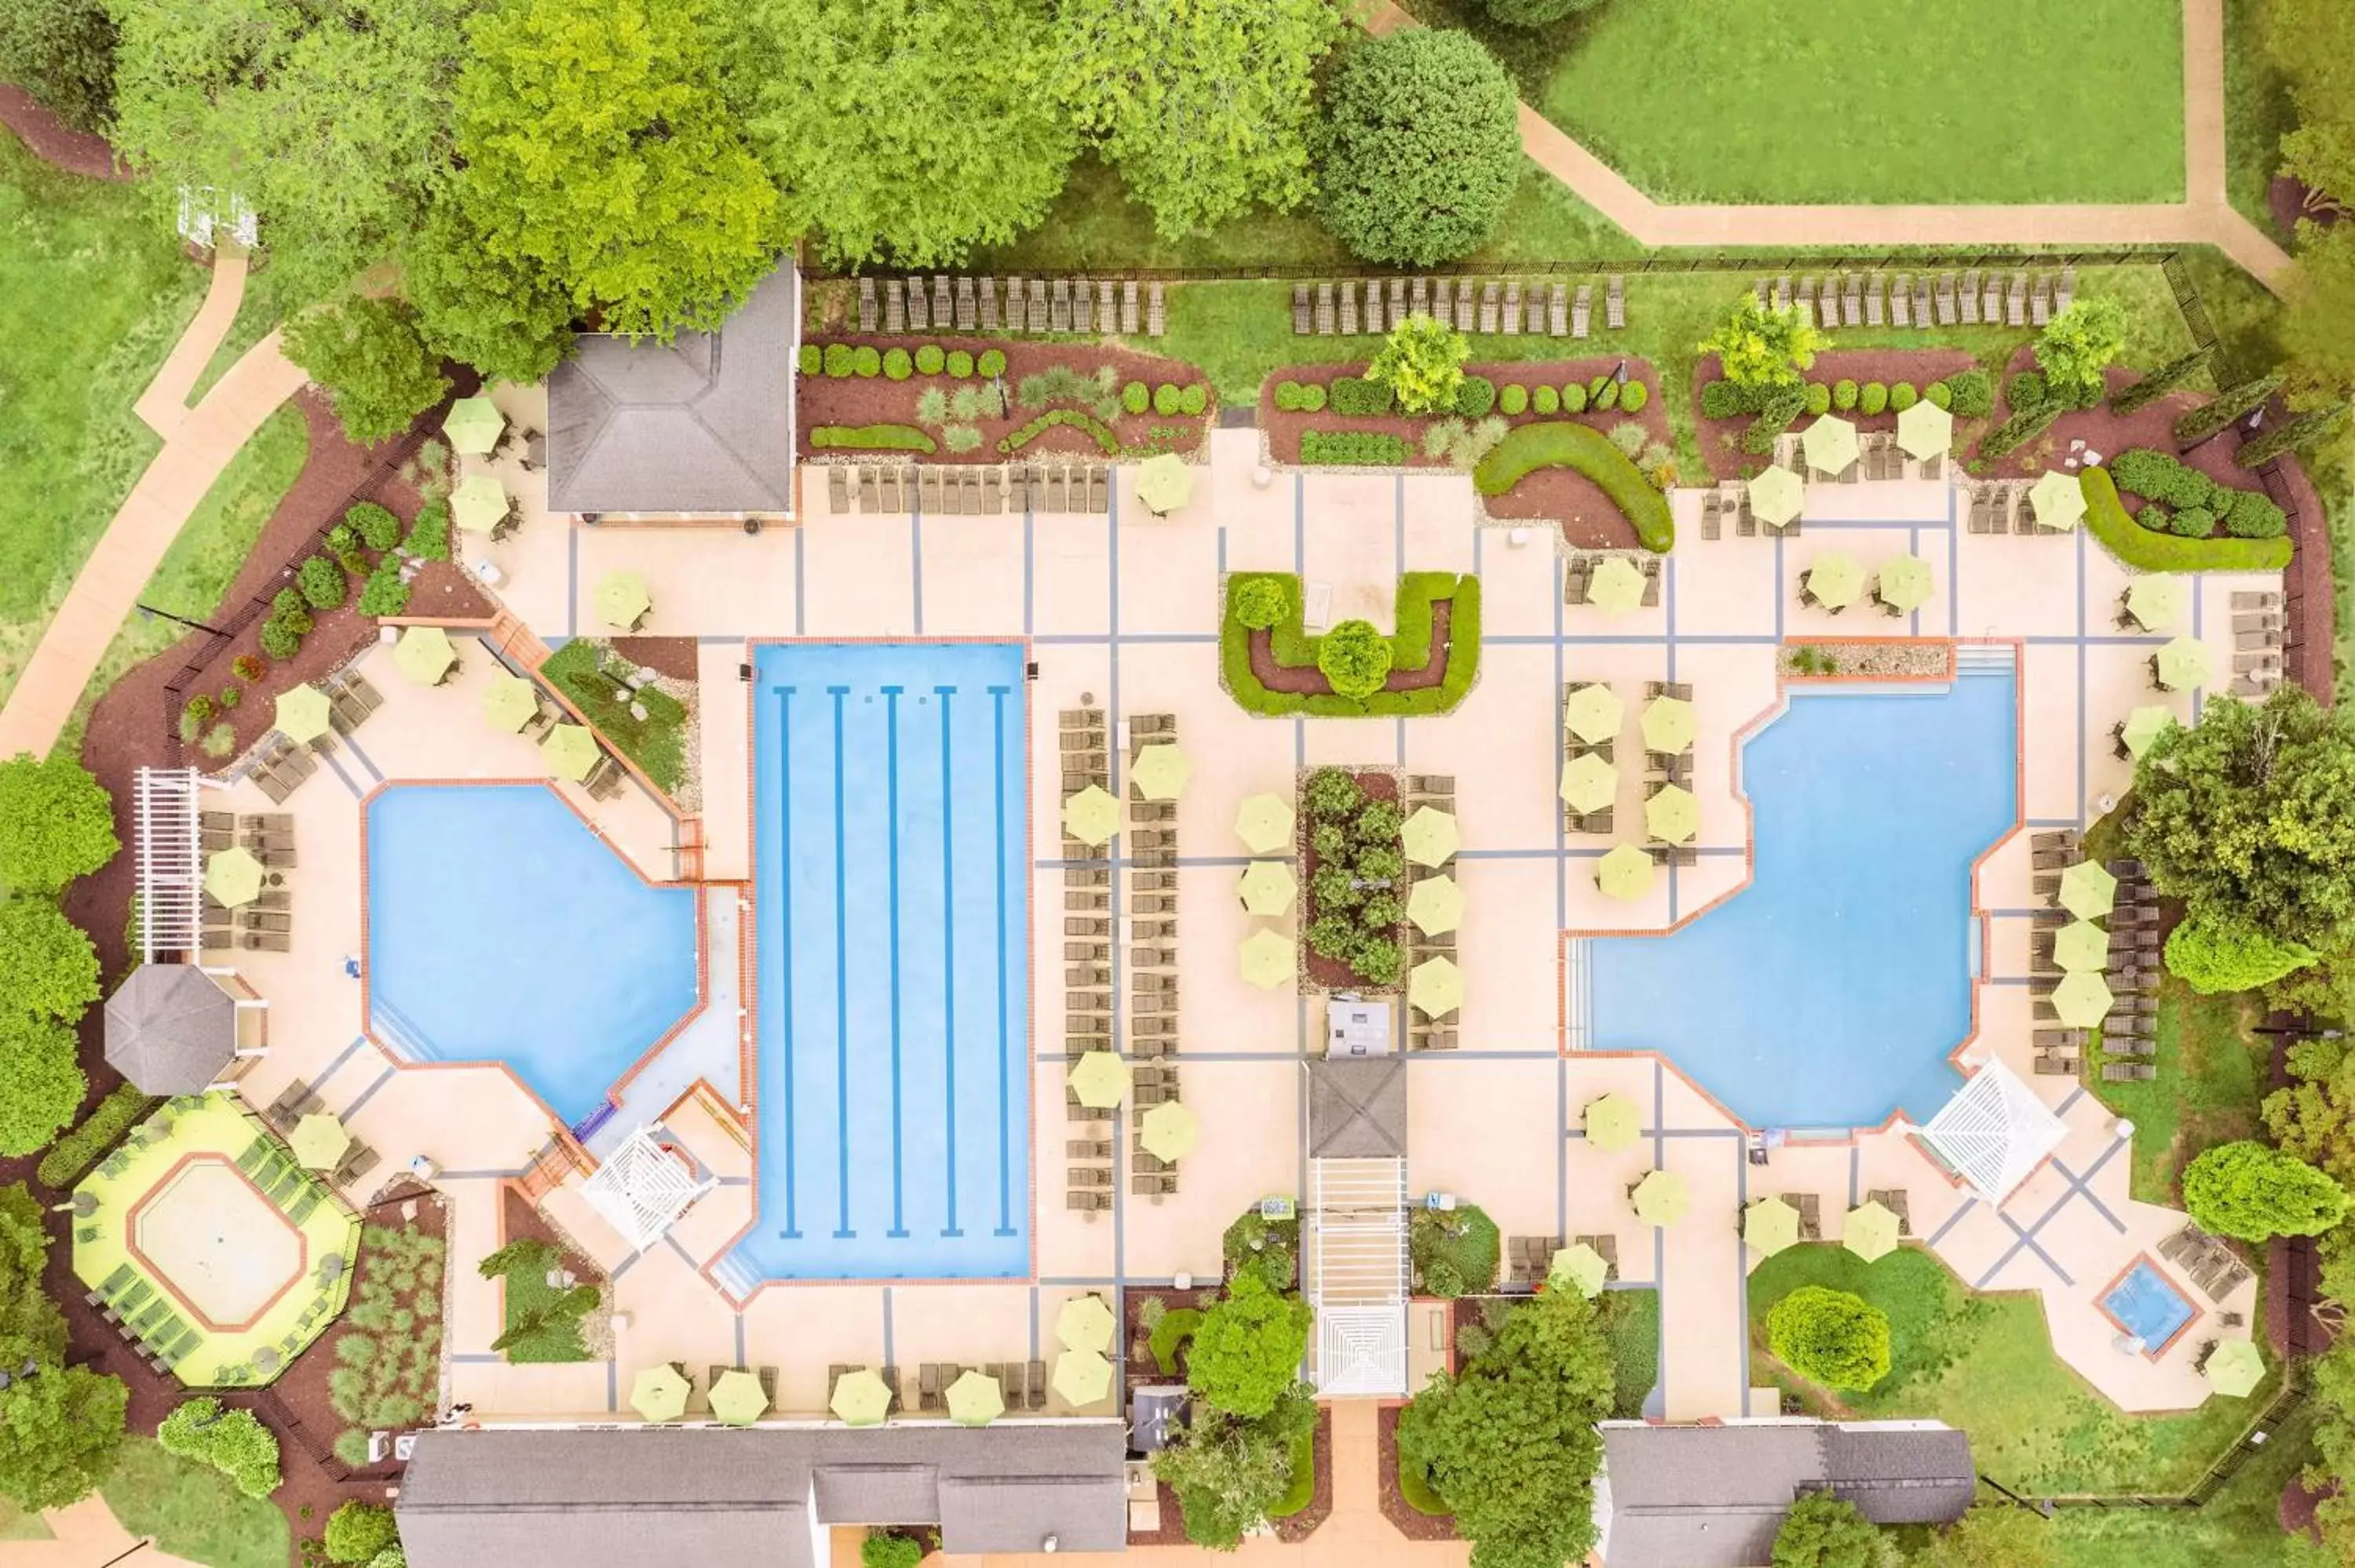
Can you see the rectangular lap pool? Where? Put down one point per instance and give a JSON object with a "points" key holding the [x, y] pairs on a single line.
{"points": [[2146, 1304], [892, 941]]}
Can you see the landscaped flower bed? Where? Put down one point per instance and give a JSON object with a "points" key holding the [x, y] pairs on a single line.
{"points": [[1273, 666], [1354, 908], [1840, 381], [1578, 453]]}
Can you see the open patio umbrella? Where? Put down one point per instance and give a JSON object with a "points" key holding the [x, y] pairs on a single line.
{"points": [[737, 1397], [1770, 1224], [2088, 891], [1169, 1131], [1082, 1377], [2183, 665], [1870, 1232], [861, 1398], [1435, 988], [2059, 499], [424, 654], [1160, 771], [472, 425], [233, 877], [1085, 1323], [2082, 999], [1589, 783], [1269, 888], [319, 1140], [1594, 713], [1905, 580], [622, 599], [1624, 873], [1830, 444], [570, 752], [1163, 483], [1661, 1198], [974, 1398], [1835, 579], [1613, 1123], [1100, 1079], [1091, 816], [1777, 496], [1430, 837], [302, 715], [2081, 944], [1926, 431], [2234, 1368], [2144, 726], [2156, 602], [1672, 815], [1668, 725], [510, 701], [479, 504], [1436, 904], [1265, 823], [1579, 1268], [1267, 959], [659, 1393], [1618, 587]]}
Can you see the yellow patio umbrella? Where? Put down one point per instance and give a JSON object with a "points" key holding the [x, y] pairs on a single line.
{"points": [[1594, 713], [1579, 1268], [424, 654], [479, 504], [1661, 1198], [2088, 891], [2081, 944], [1091, 816], [1267, 959], [2143, 727], [1436, 904], [2156, 602], [659, 1393], [1624, 873], [510, 701], [1613, 1123], [1926, 431], [233, 877], [1589, 783], [1163, 483], [1265, 823], [1870, 1232], [1672, 815], [1169, 1131], [1430, 837], [1905, 580], [303, 715], [1618, 587], [1777, 496], [1160, 771], [976, 1400], [737, 1398], [570, 752], [1269, 888], [2059, 499], [1085, 1323], [1082, 1377], [472, 425], [319, 1140], [1100, 1079], [1830, 444], [1835, 579], [1668, 725], [622, 599], [1435, 988], [2234, 1368], [2183, 664], [2082, 999], [861, 1398], [1770, 1224]]}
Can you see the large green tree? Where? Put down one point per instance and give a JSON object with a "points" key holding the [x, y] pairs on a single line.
{"points": [[62, 52], [2256, 1192], [2214, 956], [59, 1431], [2077, 345], [1990, 1536], [1228, 1473], [1836, 1337], [2313, 1116], [1823, 1531], [48, 967], [41, 1084], [2316, 331], [499, 314], [56, 824], [909, 132], [1421, 146], [1246, 1355], [1205, 107], [1759, 345], [30, 1323], [2313, 45], [367, 353]]}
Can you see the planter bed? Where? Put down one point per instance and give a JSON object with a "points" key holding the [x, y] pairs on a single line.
{"points": [[1320, 973], [1409, 1521], [1721, 440], [1272, 672]]}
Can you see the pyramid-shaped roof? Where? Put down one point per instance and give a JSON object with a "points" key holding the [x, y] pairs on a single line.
{"points": [[1994, 1132]]}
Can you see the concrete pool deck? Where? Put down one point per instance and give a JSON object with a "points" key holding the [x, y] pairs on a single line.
{"points": [[1124, 610]]}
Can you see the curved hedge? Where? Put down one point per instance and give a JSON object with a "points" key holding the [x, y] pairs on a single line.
{"points": [[879, 437], [1077, 419], [1295, 648], [2149, 551], [1563, 445]]}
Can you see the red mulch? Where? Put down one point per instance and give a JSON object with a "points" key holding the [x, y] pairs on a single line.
{"points": [[1299, 1527], [1412, 1525], [1306, 680], [671, 656], [1721, 440], [2286, 198], [53, 141], [875, 401], [1332, 974], [2297, 1508], [519, 1218]]}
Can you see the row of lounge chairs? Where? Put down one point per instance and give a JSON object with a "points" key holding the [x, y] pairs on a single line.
{"points": [[1084, 741], [1024, 1383], [1729, 502], [1578, 578], [2258, 629], [1080, 306], [1152, 855], [2215, 1269], [1969, 299], [146, 1318], [1538, 310], [2001, 506], [280, 767], [1529, 1259], [1879, 458], [1436, 790], [968, 489], [295, 1102]]}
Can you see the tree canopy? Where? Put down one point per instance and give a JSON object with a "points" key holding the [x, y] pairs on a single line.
{"points": [[368, 353], [56, 824], [1835, 1337], [2077, 345], [59, 1431], [1759, 345], [1992, 1535], [2256, 1192], [1422, 361], [48, 967], [41, 1084], [2313, 44], [2316, 331], [1421, 146], [1228, 1473], [1247, 1352], [2214, 956], [500, 315], [62, 52], [2313, 1116], [1823, 1531]]}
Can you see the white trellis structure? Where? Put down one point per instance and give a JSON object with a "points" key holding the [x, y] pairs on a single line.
{"points": [[203, 212], [1355, 1251], [643, 1188], [165, 822], [1994, 1132]]}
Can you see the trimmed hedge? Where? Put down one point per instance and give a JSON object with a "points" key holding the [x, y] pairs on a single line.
{"points": [[868, 362], [1476, 398], [991, 363], [1632, 396], [960, 365], [898, 365], [929, 357], [1359, 449], [1562, 445], [1077, 419], [1513, 401], [2151, 552], [80, 1149], [1411, 648], [810, 359], [1545, 400], [1357, 397], [1970, 394], [1573, 399], [879, 437]]}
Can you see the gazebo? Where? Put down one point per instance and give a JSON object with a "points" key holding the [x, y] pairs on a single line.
{"points": [[642, 1189], [1994, 1132], [170, 1029]]}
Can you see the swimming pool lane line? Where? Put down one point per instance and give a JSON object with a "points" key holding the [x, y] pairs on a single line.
{"points": [[1005, 1227], [948, 955], [899, 1230], [841, 980], [785, 969]]}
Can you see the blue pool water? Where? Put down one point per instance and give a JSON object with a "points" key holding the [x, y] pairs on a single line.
{"points": [[1831, 990], [891, 942], [501, 929], [2152, 1310]]}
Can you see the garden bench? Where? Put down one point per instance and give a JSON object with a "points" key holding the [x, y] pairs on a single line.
{"points": [[1581, 308], [1300, 312], [895, 305], [1156, 312], [868, 309], [919, 315], [1558, 311], [1038, 314], [1106, 313], [1348, 309], [2040, 300], [837, 489], [1512, 308], [1059, 310], [944, 311], [2015, 306], [989, 305], [1994, 300], [968, 308], [1488, 292], [1615, 303], [1128, 308]]}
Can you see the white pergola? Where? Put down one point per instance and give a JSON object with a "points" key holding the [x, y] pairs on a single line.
{"points": [[1994, 1132], [166, 839], [642, 1189]]}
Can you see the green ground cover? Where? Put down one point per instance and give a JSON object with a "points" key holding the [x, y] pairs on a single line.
{"points": [[1632, 1319], [16, 1524], [2212, 1076], [193, 1511], [2257, 114], [656, 743], [2240, 1525], [69, 444], [1984, 1363], [543, 1332]]}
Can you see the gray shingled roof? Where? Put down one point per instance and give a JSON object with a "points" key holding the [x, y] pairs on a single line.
{"points": [[704, 424], [170, 1029], [1357, 1108]]}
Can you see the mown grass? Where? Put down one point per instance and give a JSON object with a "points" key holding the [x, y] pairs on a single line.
{"points": [[193, 1510], [2240, 1525], [2212, 1076]]}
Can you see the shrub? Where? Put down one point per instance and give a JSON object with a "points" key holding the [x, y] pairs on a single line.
{"points": [[1942, 394], [369, 356], [1513, 400], [1594, 388], [2143, 471], [977, 402], [1606, 399], [2310, 429], [2023, 427], [992, 362], [1330, 840], [1413, 648], [867, 362], [809, 359], [2214, 957], [357, 1530], [1354, 658], [80, 1149], [1778, 410], [1381, 863], [2186, 486], [1630, 437], [1822, 1530], [1476, 398], [1875, 400], [245, 667], [2192, 522], [1536, 13], [1195, 400], [384, 593], [1544, 401], [2256, 1193], [279, 639], [2254, 516], [1724, 400], [875, 438], [1136, 398], [1353, 449], [1169, 1336], [1819, 400], [1165, 400], [882, 1548], [233, 1442], [2028, 390], [1312, 397], [1633, 395], [219, 742], [1260, 602], [1379, 960], [322, 582], [933, 407], [342, 537], [961, 438], [429, 534], [1333, 794], [929, 359], [897, 364], [1903, 397], [1838, 1339], [1287, 397], [1332, 935], [1573, 399], [1560, 444], [840, 358], [1844, 394], [2154, 518], [1971, 393], [1419, 148], [379, 529], [2161, 381], [1421, 363], [960, 365], [201, 708], [1097, 428]]}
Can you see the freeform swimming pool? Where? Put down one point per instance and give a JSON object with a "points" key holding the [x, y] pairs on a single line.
{"points": [[891, 939], [501, 929], [2147, 1306], [1831, 990]]}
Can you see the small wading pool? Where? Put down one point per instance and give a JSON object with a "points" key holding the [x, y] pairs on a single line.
{"points": [[2147, 1305]]}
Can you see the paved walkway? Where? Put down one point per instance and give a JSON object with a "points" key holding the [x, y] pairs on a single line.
{"points": [[163, 407], [2207, 217], [87, 1535]]}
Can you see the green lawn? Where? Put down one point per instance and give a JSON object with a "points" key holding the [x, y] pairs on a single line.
{"points": [[1984, 1363], [529, 1296], [93, 292], [2238, 1526], [2212, 1076], [2256, 115], [193, 1510], [16, 1524]]}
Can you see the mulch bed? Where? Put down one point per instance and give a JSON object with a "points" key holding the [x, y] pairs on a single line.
{"points": [[2297, 1508], [878, 400], [1299, 1527], [671, 656], [1142, 1371], [55, 143], [1308, 679], [1412, 1525], [1721, 440], [1332, 974]]}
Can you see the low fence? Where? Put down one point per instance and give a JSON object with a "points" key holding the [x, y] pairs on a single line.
{"points": [[2259, 1432]]}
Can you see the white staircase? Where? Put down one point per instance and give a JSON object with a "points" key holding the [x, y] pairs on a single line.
{"points": [[1357, 1276]]}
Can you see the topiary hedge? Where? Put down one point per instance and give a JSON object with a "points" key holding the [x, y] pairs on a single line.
{"points": [[1354, 658], [1513, 401], [1833, 1336], [898, 365], [1356, 448], [2107, 519], [1412, 648], [80, 1149], [1562, 445], [1076, 418], [878, 438]]}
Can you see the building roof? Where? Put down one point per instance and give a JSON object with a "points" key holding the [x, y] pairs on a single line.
{"points": [[702, 424], [1994, 1132], [170, 1029], [1357, 1108], [1355, 1027]]}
